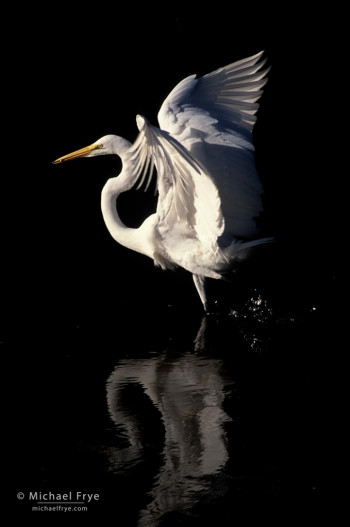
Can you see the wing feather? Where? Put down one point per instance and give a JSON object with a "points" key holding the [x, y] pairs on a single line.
{"points": [[203, 156], [213, 117], [187, 197]]}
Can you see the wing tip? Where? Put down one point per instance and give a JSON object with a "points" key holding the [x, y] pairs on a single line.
{"points": [[253, 62], [258, 60], [257, 55], [141, 122]]}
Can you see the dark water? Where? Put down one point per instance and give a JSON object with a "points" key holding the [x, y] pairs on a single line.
{"points": [[174, 418]]}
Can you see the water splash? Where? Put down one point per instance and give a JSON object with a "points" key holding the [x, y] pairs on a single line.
{"points": [[253, 320]]}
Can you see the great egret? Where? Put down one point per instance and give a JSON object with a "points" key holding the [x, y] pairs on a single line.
{"points": [[209, 190]]}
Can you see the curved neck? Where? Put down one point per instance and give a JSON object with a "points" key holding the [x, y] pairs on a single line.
{"points": [[136, 239]]}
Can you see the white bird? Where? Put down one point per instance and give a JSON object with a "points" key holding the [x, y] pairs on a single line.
{"points": [[209, 193]]}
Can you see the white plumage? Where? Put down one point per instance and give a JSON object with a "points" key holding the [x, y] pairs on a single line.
{"points": [[209, 190]]}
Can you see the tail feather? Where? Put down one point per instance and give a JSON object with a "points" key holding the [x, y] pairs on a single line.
{"points": [[240, 250]]}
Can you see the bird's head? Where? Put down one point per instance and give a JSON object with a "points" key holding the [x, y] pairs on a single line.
{"points": [[106, 145]]}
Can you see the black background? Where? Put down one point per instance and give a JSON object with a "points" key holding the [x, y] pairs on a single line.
{"points": [[81, 75], [70, 290]]}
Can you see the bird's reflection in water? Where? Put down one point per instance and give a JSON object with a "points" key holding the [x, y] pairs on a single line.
{"points": [[188, 391]]}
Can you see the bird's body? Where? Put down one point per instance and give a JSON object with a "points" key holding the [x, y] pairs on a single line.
{"points": [[209, 190]]}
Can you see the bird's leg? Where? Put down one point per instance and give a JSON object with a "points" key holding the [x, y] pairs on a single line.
{"points": [[199, 282]]}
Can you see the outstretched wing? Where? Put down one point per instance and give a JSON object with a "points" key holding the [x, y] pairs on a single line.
{"points": [[213, 117], [188, 200]]}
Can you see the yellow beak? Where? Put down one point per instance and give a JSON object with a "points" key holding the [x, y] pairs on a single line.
{"points": [[78, 153]]}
